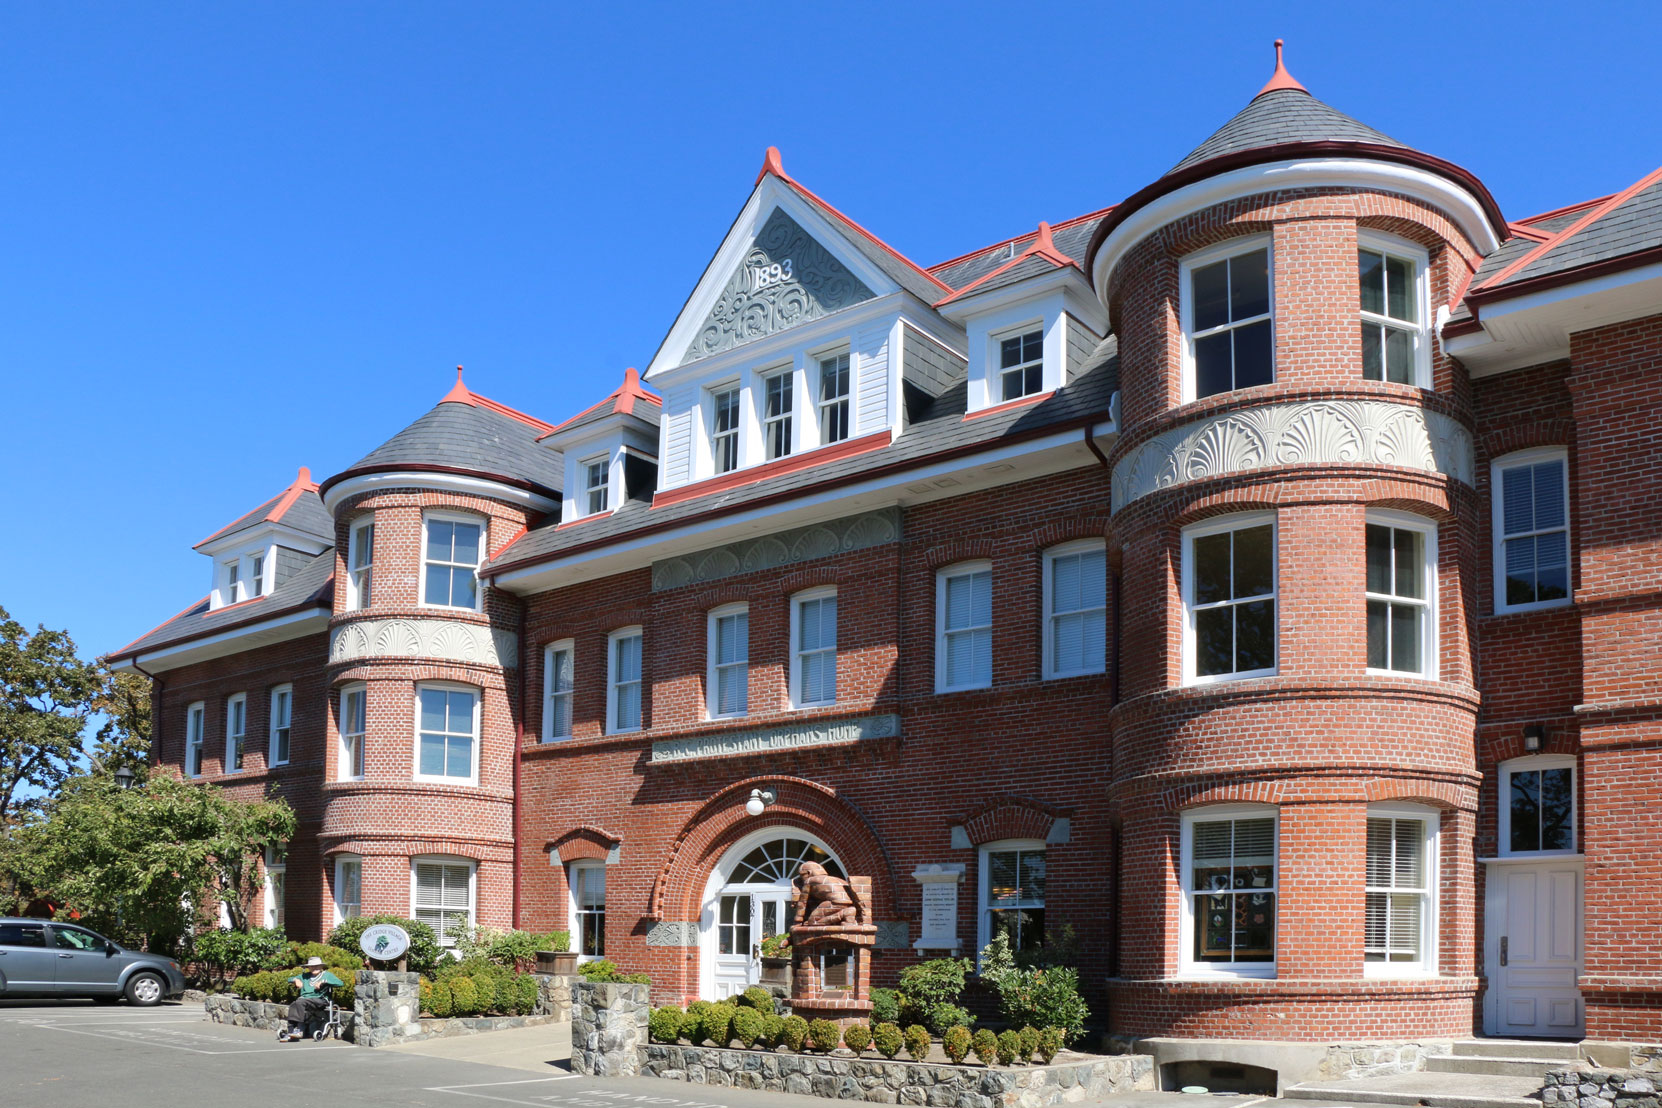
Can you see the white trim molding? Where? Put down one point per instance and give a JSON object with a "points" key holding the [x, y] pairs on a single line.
{"points": [[1309, 432], [438, 482], [443, 639]]}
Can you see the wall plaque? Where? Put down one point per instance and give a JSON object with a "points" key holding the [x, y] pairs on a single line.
{"points": [[730, 743], [940, 905]]}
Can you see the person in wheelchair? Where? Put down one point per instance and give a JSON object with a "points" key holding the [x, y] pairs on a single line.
{"points": [[314, 982]]}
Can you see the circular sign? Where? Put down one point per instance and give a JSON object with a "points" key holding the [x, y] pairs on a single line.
{"points": [[385, 941]]}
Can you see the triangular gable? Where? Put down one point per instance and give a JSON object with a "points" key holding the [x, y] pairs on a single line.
{"points": [[741, 297]]}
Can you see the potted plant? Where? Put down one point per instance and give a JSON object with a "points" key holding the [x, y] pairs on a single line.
{"points": [[776, 960], [557, 957]]}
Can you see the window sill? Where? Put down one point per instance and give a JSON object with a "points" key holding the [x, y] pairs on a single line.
{"points": [[1541, 606], [1010, 405], [942, 690], [1206, 977], [1192, 682], [453, 782], [1534, 856], [1076, 673], [1414, 972], [1403, 674]]}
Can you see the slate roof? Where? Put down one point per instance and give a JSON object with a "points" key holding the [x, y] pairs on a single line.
{"points": [[629, 399], [900, 269], [311, 587], [473, 433], [1071, 236], [297, 506], [1277, 118], [941, 427]]}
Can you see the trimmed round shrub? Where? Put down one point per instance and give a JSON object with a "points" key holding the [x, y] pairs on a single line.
{"points": [[889, 1039], [1051, 1041], [985, 1045], [795, 1033], [439, 1001], [1029, 1043], [747, 1026], [692, 1027], [773, 1029], [1009, 1045], [956, 1043], [506, 1000], [885, 1006], [758, 998], [334, 957], [716, 1024], [424, 954], [856, 1037], [665, 1024], [464, 997], [529, 994], [917, 1042], [948, 1015], [824, 1034]]}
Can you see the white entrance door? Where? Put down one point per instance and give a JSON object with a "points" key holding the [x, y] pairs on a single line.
{"points": [[1534, 911], [746, 900], [743, 920]]}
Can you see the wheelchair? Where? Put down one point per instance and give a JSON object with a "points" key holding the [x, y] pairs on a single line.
{"points": [[319, 1026]]}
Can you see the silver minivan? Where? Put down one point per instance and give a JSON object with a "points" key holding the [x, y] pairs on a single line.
{"points": [[45, 958]]}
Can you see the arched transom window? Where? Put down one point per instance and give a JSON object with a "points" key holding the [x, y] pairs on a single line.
{"points": [[777, 861]]}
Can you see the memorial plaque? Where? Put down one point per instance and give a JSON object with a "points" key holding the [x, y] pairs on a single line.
{"points": [[939, 922]]}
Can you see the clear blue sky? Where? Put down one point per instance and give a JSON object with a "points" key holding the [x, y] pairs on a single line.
{"points": [[244, 237]]}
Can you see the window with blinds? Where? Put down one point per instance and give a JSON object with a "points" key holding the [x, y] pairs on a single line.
{"points": [[444, 898], [964, 622], [348, 888], [623, 698], [1397, 918], [816, 650], [728, 690], [1532, 529], [1076, 610], [1232, 868], [1015, 896], [558, 683]]}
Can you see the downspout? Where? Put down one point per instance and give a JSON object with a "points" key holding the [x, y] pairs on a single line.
{"points": [[519, 740], [1116, 849]]}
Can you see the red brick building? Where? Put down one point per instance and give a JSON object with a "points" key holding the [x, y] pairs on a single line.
{"points": [[1253, 576]]}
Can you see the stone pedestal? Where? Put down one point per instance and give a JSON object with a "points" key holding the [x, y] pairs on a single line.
{"points": [[387, 1007], [608, 1028]]}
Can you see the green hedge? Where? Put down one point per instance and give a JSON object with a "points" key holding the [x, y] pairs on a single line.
{"points": [[274, 987]]}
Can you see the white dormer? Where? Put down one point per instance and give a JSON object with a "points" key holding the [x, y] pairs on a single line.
{"points": [[252, 555], [610, 451]]}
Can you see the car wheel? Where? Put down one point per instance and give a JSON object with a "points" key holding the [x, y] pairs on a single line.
{"points": [[145, 989]]}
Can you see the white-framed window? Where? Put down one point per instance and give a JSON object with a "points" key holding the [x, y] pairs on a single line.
{"points": [[236, 732], [623, 680], [349, 887], [596, 484], [588, 910], [1076, 608], [276, 877], [778, 407], [727, 680], [354, 713], [1538, 805], [1400, 917], [814, 648], [558, 681], [1012, 885], [1401, 593], [1396, 337], [1021, 363], [256, 576], [282, 715], [196, 734], [833, 399], [447, 733], [1229, 865], [360, 562], [1228, 325], [442, 895], [724, 428], [451, 551], [964, 627], [1530, 491], [232, 589], [1229, 593]]}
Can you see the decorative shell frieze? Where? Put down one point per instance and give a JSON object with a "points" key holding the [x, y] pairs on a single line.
{"points": [[771, 551], [1315, 432], [438, 639]]}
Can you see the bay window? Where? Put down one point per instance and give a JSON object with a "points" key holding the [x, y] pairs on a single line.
{"points": [[349, 884], [447, 734], [1227, 319], [1396, 341], [1401, 594], [442, 895], [1399, 930], [353, 713], [1229, 880], [450, 561], [1229, 591], [360, 560]]}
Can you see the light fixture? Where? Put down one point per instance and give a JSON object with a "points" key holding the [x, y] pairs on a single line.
{"points": [[124, 777], [1534, 734], [759, 801]]}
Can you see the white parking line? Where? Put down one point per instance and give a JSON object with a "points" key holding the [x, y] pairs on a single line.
{"points": [[586, 1099], [153, 1039]]}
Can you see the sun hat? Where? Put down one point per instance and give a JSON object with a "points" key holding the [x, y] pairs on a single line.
{"points": [[314, 963]]}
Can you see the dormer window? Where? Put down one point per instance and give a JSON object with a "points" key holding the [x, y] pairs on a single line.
{"points": [[450, 570], [778, 405], [233, 586], [256, 579], [1021, 365], [595, 485], [724, 440], [1227, 320], [833, 399]]}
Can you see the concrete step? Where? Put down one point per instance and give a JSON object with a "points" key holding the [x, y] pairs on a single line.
{"points": [[1439, 1090], [1543, 1049], [1495, 1067]]}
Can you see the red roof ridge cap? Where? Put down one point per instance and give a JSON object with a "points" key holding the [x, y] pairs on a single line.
{"points": [[903, 259], [1062, 226], [622, 399], [1524, 231], [772, 163], [458, 393], [1281, 79], [1567, 209], [1592, 215], [302, 483], [461, 394], [1043, 246]]}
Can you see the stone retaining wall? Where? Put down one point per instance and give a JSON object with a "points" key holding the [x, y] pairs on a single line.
{"points": [[879, 1081], [1599, 1089], [608, 1028], [265, 1016], [1345, 1060]]}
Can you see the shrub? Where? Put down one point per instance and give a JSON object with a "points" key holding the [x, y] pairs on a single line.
{"points": [[557, 941], [511, 949], [795, 1032], [665, 1024], [777, 946], [956, 1043], [336, 958], [241, 953], [438, 1000], [824, 1034], [885, 1006], [715, 1023], [1029, 1043], [507, 996], [937, 981], [856, 1037], [1039, 996], [692, 1027], [747, 1026], [530, 994], [424, 953], [773, 1029], [985, 1045], [464, 997], [758, 998], [944, 1016], [603, 969], [889, 1039], [1051, 1041], [1009, 1045], [917, 1042]]}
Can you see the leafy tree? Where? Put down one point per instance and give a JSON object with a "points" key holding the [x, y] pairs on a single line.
{"points": [[124, 737], [47, 694], [139, 864]]}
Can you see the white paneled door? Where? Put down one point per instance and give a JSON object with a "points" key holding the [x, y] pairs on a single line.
{"points": [[1534, 948]]}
